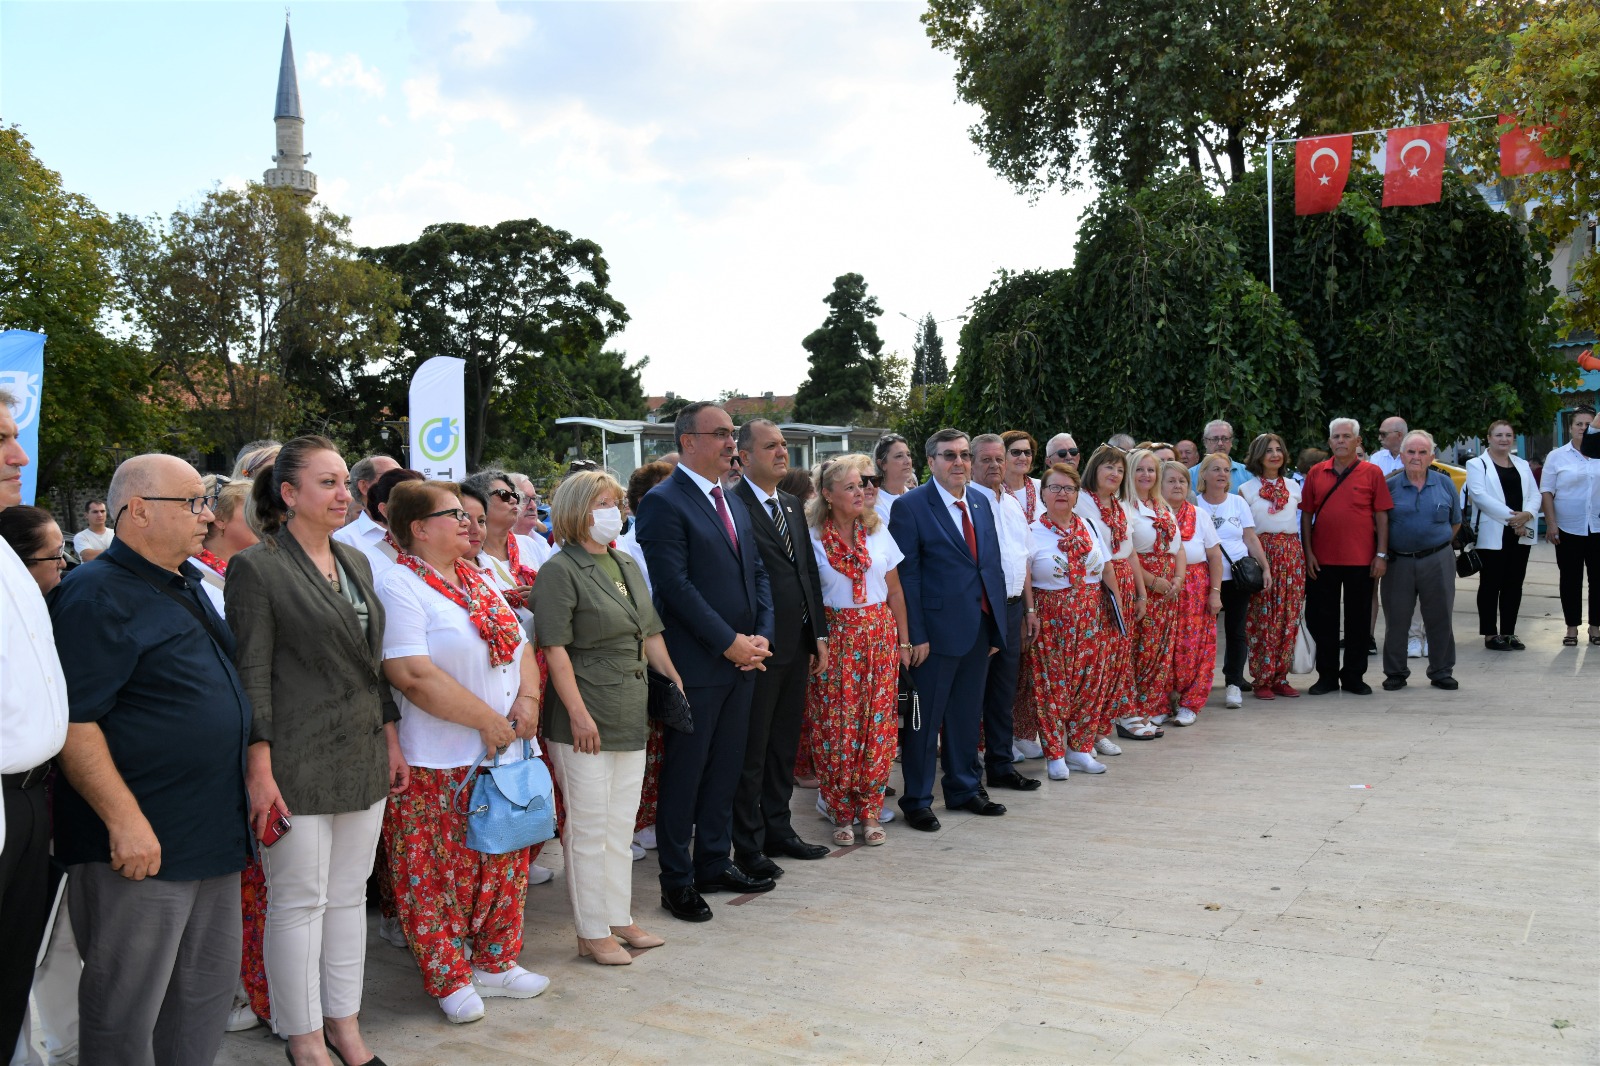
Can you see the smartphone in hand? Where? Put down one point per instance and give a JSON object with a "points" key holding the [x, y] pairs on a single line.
{"points": [[277, 826]]}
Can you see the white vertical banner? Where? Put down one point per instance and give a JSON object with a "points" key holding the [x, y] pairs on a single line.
{"points": [[439, 418]]}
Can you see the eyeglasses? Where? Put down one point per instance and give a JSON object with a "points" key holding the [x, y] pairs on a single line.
{"points": [[721, 434], [58, 557], [1064, 453], [196, 503], [504, 496], [1220, 440], [954, 457], [1059, 490], [1020, 452], [454, 512]]}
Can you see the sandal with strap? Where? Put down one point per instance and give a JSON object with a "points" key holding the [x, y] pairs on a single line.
{"points": [[844, 836], [1570, 640], [874, 835], [1137, 729]]}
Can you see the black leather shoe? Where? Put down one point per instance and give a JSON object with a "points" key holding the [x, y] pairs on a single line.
{"points": [[924, 819], [685, 904], [760, 866], [1356, 688], [795, 848], [1322, 688], [1016, 781], [1393, 684], [1449, 684], [736, 880], [979, 805]]}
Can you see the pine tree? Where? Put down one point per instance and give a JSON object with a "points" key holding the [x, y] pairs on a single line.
{"points": [[845, 368], [927, 363]]}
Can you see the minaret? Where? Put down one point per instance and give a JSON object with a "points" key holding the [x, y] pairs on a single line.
{"points": [[290, 172]]}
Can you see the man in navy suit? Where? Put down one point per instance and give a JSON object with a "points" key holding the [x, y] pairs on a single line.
{"points": [[953, 586], [712, 592]]}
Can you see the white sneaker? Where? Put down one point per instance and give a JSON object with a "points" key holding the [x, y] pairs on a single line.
{"points": [[1082, 760], [390, 932], [1414, 648], [242, 1018], [1057, 770], [1031, 749], [1184, 716], [886, 816], [462, 1006], [1233, 697], [637, 850], [515, 983], [538, 875], [1424, 654], [1157, 719], [1017, 754], [1105, 746], [646, 838], [824, 811]]}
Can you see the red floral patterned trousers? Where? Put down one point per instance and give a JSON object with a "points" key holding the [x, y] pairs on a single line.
{"points": [[252, 965], [1274, 618], [1153, 640], [1195, 663], [448, 896], [1059, 679], [651, 789], [1116, 651], [852, 704]]}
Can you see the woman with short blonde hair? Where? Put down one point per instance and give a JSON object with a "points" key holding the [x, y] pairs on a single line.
{"points": [[1161, 561]]}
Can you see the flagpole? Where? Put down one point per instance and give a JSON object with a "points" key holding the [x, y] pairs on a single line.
{"points": [[1272, 273]]}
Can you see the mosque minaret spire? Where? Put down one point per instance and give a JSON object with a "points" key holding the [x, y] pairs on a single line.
{"points": [[290, 171]]}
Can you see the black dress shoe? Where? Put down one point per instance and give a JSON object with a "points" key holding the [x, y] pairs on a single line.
{"points": [[1393, 684], [795, 848], [924, 819], [1449, 684], [735, 880], [1016, 781], [760, 866], [1322, 688], [374, 1061], [1356, 688], [1514, 644], [1497, 643], [685, 904], [979, 805]]}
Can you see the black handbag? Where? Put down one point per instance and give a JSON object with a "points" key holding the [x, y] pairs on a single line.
{"points": [[1247, 573], [1469, 562], [909, 703], [667, 704]]}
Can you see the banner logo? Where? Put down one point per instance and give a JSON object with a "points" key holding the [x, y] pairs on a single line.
{"points": [[25, 387], [440, 437]]}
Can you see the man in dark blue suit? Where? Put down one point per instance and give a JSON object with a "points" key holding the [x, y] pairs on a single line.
{"points": [[953, 585], [712, 592]]}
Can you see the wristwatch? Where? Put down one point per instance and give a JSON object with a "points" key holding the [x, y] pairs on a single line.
{"points": [[1383, 555]]}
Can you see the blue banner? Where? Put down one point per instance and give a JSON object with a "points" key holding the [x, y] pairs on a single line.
{"points": [[22, 375]]}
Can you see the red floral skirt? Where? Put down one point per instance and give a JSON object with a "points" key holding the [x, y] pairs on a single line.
{"points": [[1195, 658], [1154, 640], [1059, 674], [852, 707], [1274, 618], [1116, 653]]}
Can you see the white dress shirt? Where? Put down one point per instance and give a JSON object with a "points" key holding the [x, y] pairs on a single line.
{"points": [[1012, 526], [629, 542], [1574, 482], [363, 533], [954, 512], [886, 555], [33, 690], [212, 582], [884, 504], [1389, 464], [1287, 520]]}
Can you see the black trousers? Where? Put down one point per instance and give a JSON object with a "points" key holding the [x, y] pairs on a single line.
{"points": [[25, 903], [700, 773], [1235, 610], [1574, 555], [761, 805], [1352, 585], [1500, 585], [999, 693]]}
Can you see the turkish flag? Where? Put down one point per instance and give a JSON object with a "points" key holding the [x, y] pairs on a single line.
{"points": [[1522, 150], [1321, 167], [1413, 165]]}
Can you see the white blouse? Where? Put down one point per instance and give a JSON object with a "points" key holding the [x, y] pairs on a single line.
{"points": [[1205, 536], [1573, 480], [1048, 562], [1231, 518], [499, 573], [886, 555], [420, 621], [1021, 496], [1286, 520], [1088, 510], [1143, 528]]}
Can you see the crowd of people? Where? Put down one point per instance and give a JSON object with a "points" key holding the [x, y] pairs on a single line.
{"points": [[280, 680]]}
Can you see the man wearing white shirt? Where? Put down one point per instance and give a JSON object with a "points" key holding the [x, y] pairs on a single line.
{"points": [[1000, 691], [97, 538], [33, 727], [1387, 458], [364, 473]]}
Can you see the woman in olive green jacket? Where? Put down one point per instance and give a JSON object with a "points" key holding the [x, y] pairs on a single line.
{"points": [[594, 618]]}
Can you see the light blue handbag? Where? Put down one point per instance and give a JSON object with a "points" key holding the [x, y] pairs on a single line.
{"points": [[512, 806]]}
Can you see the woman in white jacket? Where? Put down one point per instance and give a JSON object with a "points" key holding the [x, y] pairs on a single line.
{"points": [[1501, 488]]}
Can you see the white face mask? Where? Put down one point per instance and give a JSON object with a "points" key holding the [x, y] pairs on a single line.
{"points": [[607, 524]]}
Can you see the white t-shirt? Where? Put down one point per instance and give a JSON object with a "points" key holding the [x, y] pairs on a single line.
{"points": [[884, 504], [1143, 528], [1088, 510], [886, 555], [1231, 518], [1205, 536], [1012, 527], [420, 621], [88, 540], [1048, 562], [1287, 520], [1021, 496]]}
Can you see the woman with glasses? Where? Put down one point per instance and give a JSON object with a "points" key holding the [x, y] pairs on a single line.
{"points": [[228, 535], [1108, 510], [852, 704], [1273, 623], [1020, 450], [1500, 486], [1236, 536], [1195, 646], [37, 540], [513, 561], [1568, 484], [1156, 545], [324, 750], [896, 469], [466, 682]]}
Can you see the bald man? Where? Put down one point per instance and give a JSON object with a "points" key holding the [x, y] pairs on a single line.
{"points": [[151, 815], [1188, 453], [1391, 432]]}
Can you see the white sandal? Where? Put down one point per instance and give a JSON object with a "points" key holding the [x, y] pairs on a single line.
{"points": [[1137, 729]]}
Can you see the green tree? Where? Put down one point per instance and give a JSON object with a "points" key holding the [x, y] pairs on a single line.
{"points": [[603, 383], [504, 299], [927, 357], [892, 397], [57, 278], [845, 368]]}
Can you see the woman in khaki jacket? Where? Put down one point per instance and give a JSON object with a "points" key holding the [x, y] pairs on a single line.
{"points": [[309, 628], [594, 618]]}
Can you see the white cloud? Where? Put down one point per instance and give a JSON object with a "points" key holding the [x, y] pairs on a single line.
{"points": [[345, 72], [489, 33]]}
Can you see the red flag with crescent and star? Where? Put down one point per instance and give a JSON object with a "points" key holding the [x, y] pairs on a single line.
{"points": [[1522, 150], [1413, 165], [1321, 168]]}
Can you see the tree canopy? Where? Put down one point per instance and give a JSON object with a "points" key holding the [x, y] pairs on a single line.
{"points": [[845, 368]]}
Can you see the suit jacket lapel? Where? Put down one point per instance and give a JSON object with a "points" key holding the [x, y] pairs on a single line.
{"points": [[945, 520], [688, 485], [319, 581], [584, 559]]}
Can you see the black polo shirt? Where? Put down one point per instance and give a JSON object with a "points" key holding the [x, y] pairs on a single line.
{"points": [[177, 721]]}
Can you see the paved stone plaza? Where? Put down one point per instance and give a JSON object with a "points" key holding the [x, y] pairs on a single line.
{"points": [[1221, 895]]}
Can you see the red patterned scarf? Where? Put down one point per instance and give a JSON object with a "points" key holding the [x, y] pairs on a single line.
{"points": [[1165, 528], [1186, 519], [521, 575], [211, 559], [1116, 520], [1032, 496], [495, 621], [1276, 493], [851, 560], [1074, 543]]}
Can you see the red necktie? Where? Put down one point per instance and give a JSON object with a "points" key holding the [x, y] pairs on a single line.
{"points": [[972, 546], [722, 513]]}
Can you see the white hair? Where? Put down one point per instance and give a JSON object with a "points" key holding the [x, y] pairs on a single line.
{"points": [[1216, 422], [1355, 427], [1059, 438], [1424, 434]]}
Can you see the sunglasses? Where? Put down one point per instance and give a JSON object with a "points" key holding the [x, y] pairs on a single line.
{"points": [[503, 495], [1020, 452], [871, 481], [1064, 453]]}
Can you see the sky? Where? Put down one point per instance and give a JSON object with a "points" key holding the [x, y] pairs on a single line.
{"points": [[731, 159]]}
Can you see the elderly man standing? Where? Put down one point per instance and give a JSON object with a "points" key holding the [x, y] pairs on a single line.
{"points": [[1218, 437], [152, 818], [33, 725], [360, 531], [1344, 525], [1187, 453], [1387, 458], [1061, 449], [1422, 571]]}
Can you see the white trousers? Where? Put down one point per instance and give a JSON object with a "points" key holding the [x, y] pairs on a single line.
{"points": [[602, 798], [315, 942]]}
